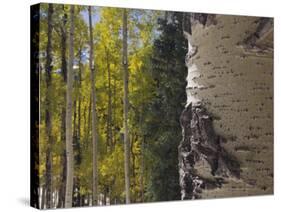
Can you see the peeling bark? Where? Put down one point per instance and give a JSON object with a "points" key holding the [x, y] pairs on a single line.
{"points": [[200, 142]]}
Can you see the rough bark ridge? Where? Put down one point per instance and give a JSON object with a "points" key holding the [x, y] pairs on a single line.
{"points": [[201, 143], [227, 128]]}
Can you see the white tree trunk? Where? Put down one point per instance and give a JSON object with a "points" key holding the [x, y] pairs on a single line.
{"points": [[94, 115], [230, 73], [68, 121]]}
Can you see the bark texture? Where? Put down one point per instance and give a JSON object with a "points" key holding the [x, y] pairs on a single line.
{"points": [[227, 125]]}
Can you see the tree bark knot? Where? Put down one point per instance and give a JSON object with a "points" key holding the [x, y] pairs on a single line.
{"points": [[200, 143]]}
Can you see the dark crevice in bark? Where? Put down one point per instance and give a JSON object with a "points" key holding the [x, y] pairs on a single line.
{"points": [[254, 42], [200, 143], [190, 19]]}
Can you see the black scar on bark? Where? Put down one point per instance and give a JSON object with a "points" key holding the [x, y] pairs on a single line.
{"points": [[201, 142], [264, 25], [200, 17], [191, 18]]}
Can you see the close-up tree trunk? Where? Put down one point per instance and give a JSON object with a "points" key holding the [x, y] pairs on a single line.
{"points": [[230, 97]]}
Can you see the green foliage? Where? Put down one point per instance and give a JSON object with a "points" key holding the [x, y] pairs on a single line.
{"points": [[162, 113], [156, 91]]}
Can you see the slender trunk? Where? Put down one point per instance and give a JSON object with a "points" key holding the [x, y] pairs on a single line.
{"points": [[74, 119], [64, 74], [83, 200], [76, 137], [133, 138], [88, 129], [85, 122], [104, 197], [63, 45], [126, 109], [114, 124], [75, 152], [89, 200], [69, 143], [43, 198], [78, 131], [94, 116], [48, 117], [63, 161], [79, 99], [109, 198], [56, 194]]}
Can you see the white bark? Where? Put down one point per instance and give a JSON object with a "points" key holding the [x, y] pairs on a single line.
{"points": [[69, 142], [94, 115], [235, 84]]}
